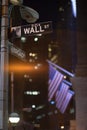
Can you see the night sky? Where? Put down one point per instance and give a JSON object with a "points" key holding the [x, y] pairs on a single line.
{"points": [[47, 9]]}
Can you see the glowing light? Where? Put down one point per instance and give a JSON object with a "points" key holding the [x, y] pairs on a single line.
{"points": [[65, 76], [16, 2], [23, 39], [30, 54], [30, 80], [61, 9], [32, 92], [26, 76], [74, 8], [62, 127], [36, 67], [52, 102], [33, 106], [49, 49], [40, 107], [20, 68], [14, 118], [35, 39], [39, 34]]}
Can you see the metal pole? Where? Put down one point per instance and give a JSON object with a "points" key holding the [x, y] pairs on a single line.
{"points": [[4, 68], [12, 92]]}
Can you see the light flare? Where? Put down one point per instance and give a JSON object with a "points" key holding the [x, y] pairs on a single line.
{"points": [[20, 68]]}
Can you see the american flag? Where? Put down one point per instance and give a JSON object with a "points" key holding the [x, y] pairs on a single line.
{"points": [[66, 101], [55, 78], [61, 94]]}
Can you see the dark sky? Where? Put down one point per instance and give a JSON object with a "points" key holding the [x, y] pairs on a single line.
{"points": [[47, 9]]}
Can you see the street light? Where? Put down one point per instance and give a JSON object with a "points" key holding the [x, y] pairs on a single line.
{"points": [[14, 119], [4, 58], [16, 2]]}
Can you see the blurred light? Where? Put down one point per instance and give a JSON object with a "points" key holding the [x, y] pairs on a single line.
{"points": [[14, 118], [29, 109], [43, 115], [65, 76], [38, 117], [30, 80], [40, 107], [33, 54], [23, 39], [62, 127], [50, 113], [16, 2], [36, 57], [30, 60], [39, 64], [49, 49], [35, 92], [36, 39], [55, 111], [72, 110], [26, 76], [39, 34], [33, 106], [74, 8], [37, 125], [36, 67], [20, 68], [30, 54], [54, 58], [32, 92], [61, 9], [52, 102]]}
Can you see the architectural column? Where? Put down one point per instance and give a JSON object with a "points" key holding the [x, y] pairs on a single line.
{"points": [[72, 124], [80, 87]]}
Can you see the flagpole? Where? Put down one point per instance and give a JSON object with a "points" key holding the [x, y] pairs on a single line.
{"points": [[67, 82], [61, 69]]}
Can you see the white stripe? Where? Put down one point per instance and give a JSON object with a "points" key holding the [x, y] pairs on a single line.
{"points": [[66, 102], [61, 95], [55, 87]]}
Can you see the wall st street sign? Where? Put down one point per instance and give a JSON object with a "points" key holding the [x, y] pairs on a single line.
{"points": [[32, 29], [37, 28]]}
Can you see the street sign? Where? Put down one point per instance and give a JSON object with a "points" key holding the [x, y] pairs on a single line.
{"points": [[31, 29], [43, 28], [16, 51]]}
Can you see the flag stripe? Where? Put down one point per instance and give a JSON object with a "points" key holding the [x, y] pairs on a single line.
{"points": [[61, 94], [66, 101], [55, 78], [55, 86]]}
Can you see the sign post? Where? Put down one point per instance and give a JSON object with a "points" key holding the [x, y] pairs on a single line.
{"points": [[3, 68]]}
